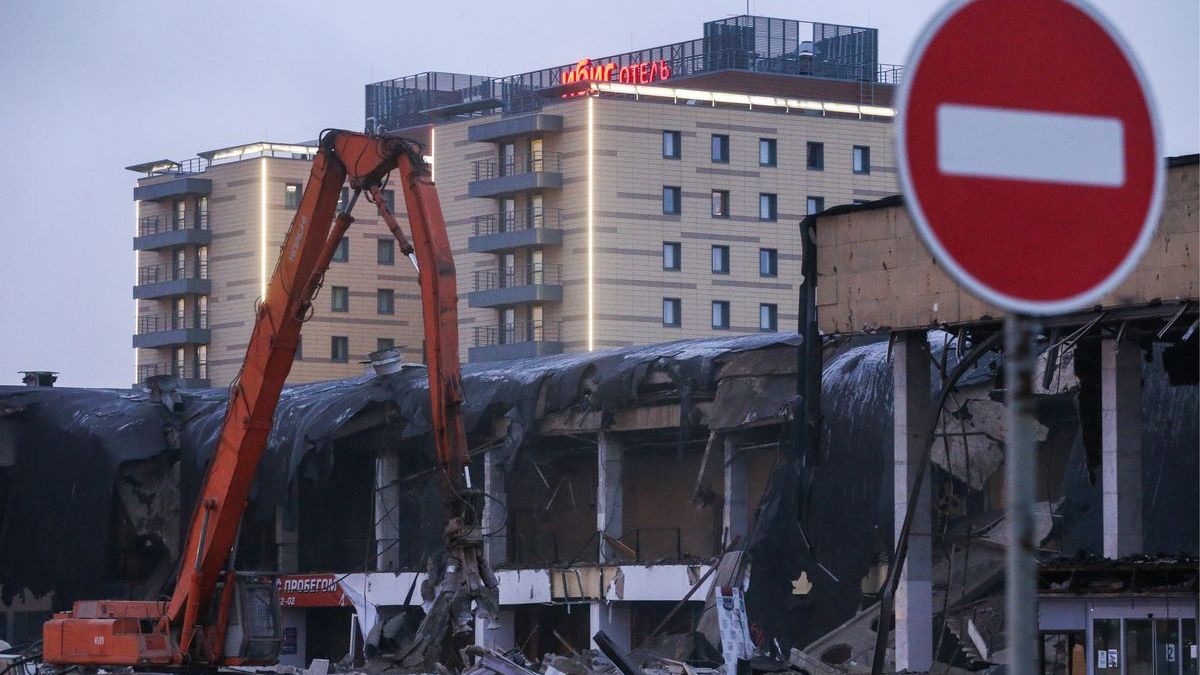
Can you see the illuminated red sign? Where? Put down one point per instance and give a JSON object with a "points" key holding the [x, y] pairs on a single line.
{"points": [[646, 72]]}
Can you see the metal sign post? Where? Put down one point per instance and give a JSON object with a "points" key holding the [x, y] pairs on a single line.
{"points": [[1020, 477]]}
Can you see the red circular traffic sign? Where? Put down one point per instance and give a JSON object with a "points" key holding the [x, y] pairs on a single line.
{"points": [[1029, 152]]}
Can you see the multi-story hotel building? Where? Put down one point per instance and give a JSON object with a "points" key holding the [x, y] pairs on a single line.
{"points": [[208, 233], [638, 198]]}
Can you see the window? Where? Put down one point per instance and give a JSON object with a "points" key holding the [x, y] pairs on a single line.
{"points": [[339, 348], [384, 343], [389, 198], [768, 262], [342, 252], [767, 206], [816, 205], [720, 203], [671, 200], [385, 251], [343, 199], [672, 312], [766, 152], [300, 348], [720, 260], [816, 156], [340, 297], [768, 318], [671, 147], [385, 301], [671, 256], [862, 159], [508, 158], [291, 195], [720, 148], [720, 314]]}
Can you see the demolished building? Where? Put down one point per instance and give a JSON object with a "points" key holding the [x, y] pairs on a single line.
{"points": [[641, 491], [616, 480]]}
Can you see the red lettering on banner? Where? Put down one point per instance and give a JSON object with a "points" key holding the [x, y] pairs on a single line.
{"points": [[320, 590]]}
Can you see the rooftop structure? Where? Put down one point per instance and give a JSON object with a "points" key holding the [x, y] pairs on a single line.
{"points": [[742, 44]]}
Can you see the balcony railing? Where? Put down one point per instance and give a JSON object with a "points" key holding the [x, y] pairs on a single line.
{"points": [[172, 271], [532, 162], [521, 275], [521, 331], [190, 370], [155, 323], [159, 224], [524, 219]]}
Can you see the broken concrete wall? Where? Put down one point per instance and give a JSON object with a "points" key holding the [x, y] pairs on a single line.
{"points": [[875, 273]]}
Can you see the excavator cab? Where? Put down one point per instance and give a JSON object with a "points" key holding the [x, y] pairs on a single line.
{"points": [[254, 634]]}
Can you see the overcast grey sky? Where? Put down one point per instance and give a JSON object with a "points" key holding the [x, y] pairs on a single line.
{"points": [[87, 88]]}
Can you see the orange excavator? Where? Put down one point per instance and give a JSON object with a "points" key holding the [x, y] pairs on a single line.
{"points": [[216, 615]]}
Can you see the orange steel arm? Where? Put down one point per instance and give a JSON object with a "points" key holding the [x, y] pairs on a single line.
{"points": [[303, 260]]}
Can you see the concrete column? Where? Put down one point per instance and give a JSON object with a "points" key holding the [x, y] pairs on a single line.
{"points": [[1121, 459], [735, 517], [609, 491], [503, 638], [495, 513], [387, 511], [914, 595], [615, 619], [287, 544]]}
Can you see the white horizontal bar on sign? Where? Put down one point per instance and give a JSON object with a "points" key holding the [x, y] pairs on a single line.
{"points": [[1031, 145]]}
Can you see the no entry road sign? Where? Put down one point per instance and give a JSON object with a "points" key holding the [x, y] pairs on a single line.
{"points": [[1029, 152]]}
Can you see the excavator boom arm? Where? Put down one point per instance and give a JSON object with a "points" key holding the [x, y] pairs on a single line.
{"points": [[365, 161]]}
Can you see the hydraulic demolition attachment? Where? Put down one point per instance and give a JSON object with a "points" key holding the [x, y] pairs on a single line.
{"points": [[217, 616]]}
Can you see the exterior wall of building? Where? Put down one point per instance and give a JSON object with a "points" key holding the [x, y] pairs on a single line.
{"points": [[874, 271], [630, 283], [235, 265], [629, 228]]}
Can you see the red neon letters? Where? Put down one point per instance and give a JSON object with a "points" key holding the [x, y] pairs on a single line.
{"points": [[636, 73]]}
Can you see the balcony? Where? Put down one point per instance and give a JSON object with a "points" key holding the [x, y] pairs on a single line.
{"points": [[171, 279], [532, 171], [515, 126], [178, 186], [517, 285], [198, 374], [521, 340], [505, 231], [168, 330], [157, 232]]}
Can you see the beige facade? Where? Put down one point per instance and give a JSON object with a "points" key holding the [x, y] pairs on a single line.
{"points": [[206, 249], [875, 273], [558, 224], [609, 266]]}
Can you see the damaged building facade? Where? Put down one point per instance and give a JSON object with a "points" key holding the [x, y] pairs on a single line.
{"points": [[646, 491]]}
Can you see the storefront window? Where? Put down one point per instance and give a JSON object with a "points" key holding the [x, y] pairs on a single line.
{"points": [[1139, 655], [1166, 647], [1187, 649], [1106, 645], [1064, 653]]}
